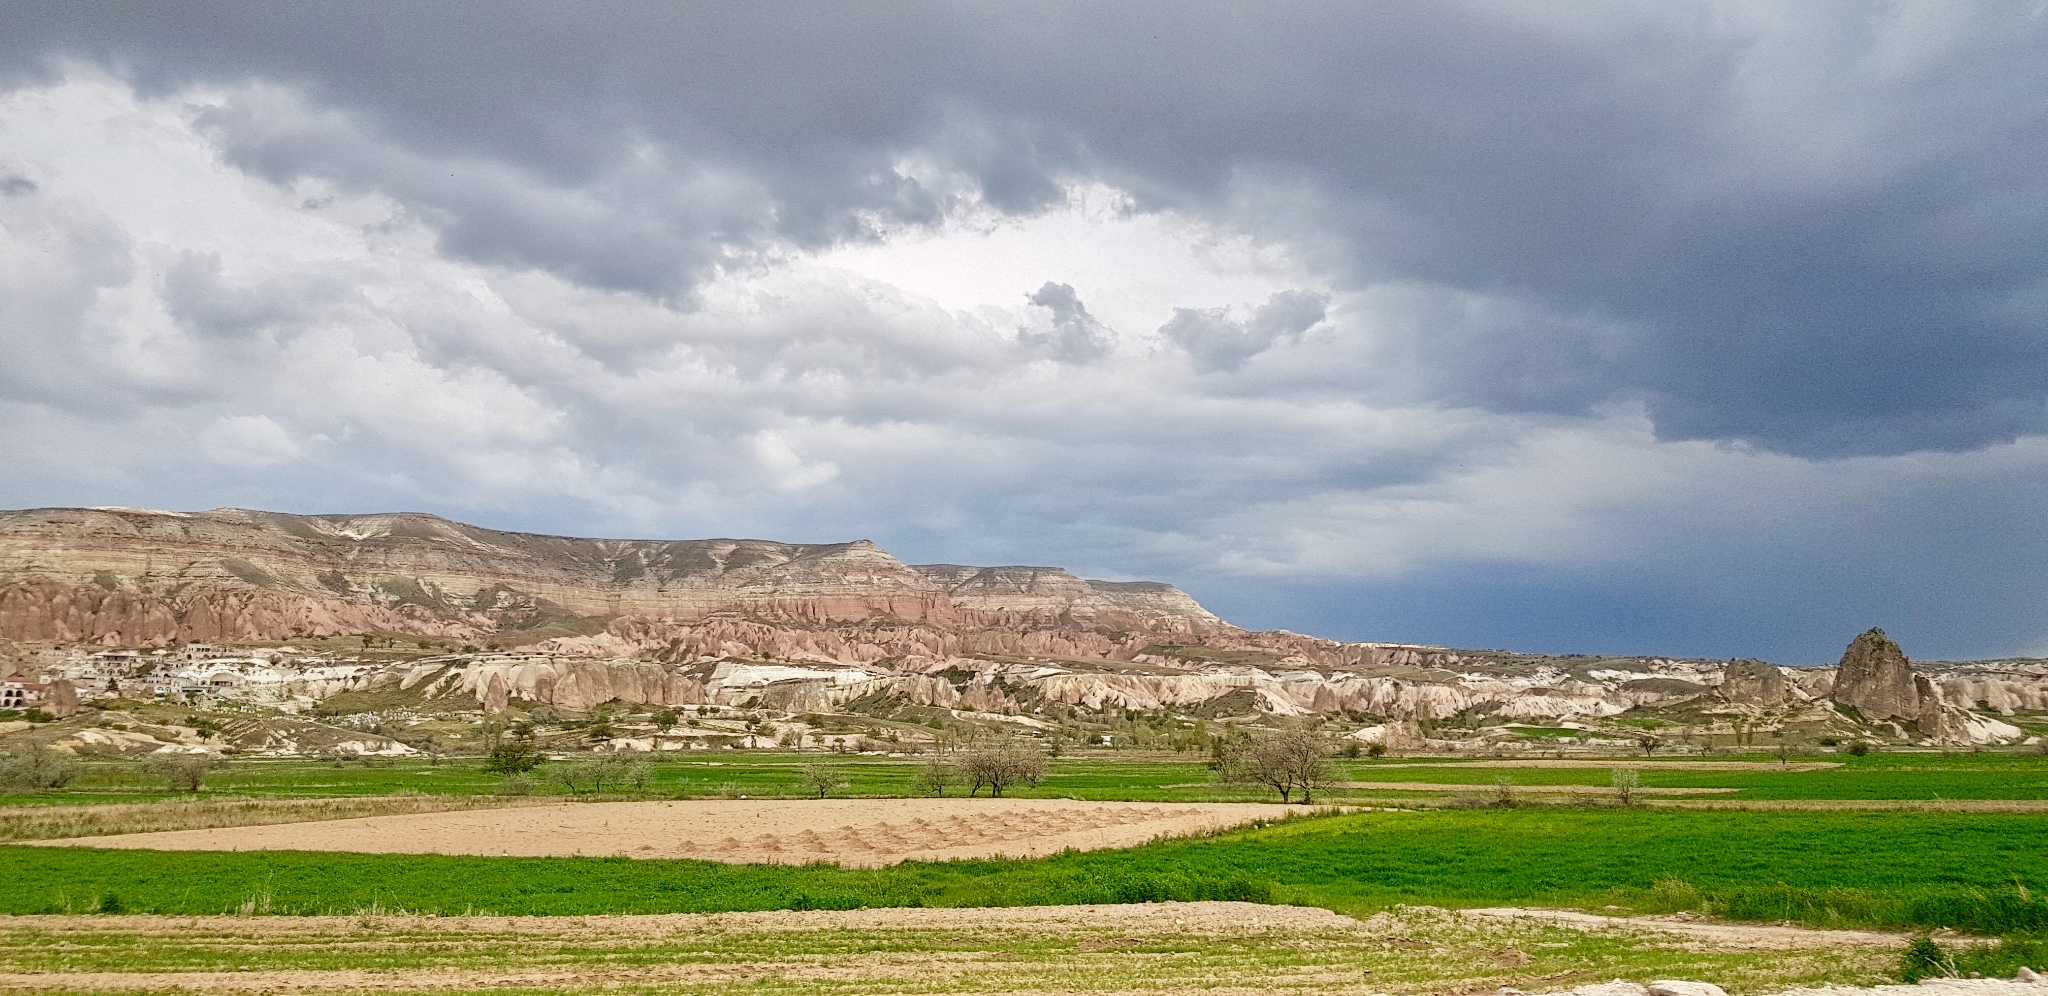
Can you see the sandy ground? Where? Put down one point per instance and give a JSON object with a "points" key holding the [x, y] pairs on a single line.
{"points": [[1738, 936], [852, 832], [1932, 987], [1523, 789]]}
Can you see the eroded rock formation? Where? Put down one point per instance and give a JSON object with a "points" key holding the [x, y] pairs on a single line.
{"points": [[141, 578], [1755, 683], [1875, 679]]}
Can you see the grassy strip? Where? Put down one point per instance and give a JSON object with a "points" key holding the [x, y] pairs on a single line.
{"points": [[1979, 872], [1877, 776], [1166, 778]]}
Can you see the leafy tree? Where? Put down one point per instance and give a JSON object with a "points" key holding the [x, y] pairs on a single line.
{"points": [[591, 775], [639, 774], [511, 751], [36, 769], [665, 720], [511, 757]]}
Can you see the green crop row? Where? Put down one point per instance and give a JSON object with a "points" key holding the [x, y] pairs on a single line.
{"points": [[1983, 873]]}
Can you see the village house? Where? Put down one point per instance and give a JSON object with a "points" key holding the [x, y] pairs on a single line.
{"points": [[58, 698]]}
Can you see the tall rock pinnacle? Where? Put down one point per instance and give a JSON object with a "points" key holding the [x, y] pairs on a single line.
{"points": [[1879, 682]]}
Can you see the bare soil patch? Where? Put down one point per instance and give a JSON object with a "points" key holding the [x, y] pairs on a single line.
{"points": [[1930, 987], [104, 819], [1739, 936], [851, 832]]}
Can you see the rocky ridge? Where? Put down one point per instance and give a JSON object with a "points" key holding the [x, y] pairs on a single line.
{"points": [[577, 623]]}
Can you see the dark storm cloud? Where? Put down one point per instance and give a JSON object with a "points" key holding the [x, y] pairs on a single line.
{"points": [[1822, 220]]}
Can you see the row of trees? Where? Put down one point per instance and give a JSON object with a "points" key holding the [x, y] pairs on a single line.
{"points": [[1290, 762], [38, 768], [995, 763]]}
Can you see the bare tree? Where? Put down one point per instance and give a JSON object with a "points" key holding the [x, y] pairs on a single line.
{"points": [[822, 778], [183, 772], [1001, 762], [933, 776], [1287, 761]]}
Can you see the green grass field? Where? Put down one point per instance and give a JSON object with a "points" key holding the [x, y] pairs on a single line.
{"points": [[1876, 776], [1983, 873], [1183, 778], [1977, 872]]}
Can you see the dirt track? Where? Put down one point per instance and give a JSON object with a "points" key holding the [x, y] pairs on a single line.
{"points": [[1672, 765], [1522, 789], [853, 832]]}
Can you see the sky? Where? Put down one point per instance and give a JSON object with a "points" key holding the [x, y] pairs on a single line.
{"points": [[1702, 329]]}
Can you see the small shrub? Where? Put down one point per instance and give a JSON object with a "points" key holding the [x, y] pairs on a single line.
{"points": [[516, 785], [1626, 781], [1925, 959], [1376, 750], [1859, 749]]}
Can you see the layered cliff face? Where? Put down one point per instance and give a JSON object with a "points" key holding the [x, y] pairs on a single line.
{"points": [[801, 628], [137, 578]]}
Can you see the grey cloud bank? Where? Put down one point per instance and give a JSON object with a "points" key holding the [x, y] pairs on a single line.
{"points": [[1688, 328]]}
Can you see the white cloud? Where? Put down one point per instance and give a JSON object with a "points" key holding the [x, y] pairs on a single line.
{"points": [[204, 335], [247, 441]]}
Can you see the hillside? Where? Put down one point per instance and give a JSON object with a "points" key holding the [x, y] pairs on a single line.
{"points": [[412, 614]]}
